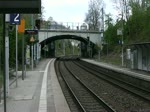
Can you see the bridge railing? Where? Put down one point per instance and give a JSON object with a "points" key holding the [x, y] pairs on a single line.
{"points": [[66, 26]]}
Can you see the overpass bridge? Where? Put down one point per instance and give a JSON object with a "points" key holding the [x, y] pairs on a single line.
{"points": [[87, 38], [48, 35]]}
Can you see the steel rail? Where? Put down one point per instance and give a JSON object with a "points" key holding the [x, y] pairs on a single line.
{"points": [[102, 102], [73, 94], [119, 83]]}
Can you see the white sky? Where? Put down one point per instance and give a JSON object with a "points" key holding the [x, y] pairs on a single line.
{"points": [[70, 10]]}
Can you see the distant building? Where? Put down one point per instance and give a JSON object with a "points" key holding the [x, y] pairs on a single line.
{"points": [[84, 26], [53, 25]]}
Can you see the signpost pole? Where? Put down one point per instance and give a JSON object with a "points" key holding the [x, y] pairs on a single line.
{"points": [[4, 76], [120, 32], [16, 56], [122, 41], [22, 56], [32, 40], [32, 55], [7, 54], [32, 44]]}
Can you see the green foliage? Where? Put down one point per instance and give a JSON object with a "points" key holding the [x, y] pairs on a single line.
{"points": [[59, 47], [12, 50], [95, 49], [70, 48], [27, 18], [110, 35], [136, 27]]}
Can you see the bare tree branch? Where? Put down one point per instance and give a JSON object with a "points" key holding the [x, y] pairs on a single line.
{"points": [[93, 15]]}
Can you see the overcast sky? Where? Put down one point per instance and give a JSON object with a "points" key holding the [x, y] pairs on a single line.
{"points": [[70, 10]]}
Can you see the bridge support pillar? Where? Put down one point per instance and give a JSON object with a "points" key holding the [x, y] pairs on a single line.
{"points": [[51, 49], [84, 53]]}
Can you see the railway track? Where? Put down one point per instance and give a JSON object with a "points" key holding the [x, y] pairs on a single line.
{"points": [[122, 96], [84, 97], [73, 104], [103, 73]]}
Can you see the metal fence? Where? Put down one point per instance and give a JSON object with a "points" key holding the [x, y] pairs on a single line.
{"points": [[65, 26]]}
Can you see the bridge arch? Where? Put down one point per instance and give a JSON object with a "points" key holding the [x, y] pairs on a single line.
{"points": [[50, 41], [59, 37], [95, 36]]}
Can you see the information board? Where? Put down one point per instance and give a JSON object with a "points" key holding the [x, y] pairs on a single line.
{"points": [[15, 19], [31, 32], [20, 6]]}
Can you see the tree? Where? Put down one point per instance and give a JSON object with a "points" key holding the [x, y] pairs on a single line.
{"points": [[110, 34], [134, 18], [108, 20], [93, 15]]}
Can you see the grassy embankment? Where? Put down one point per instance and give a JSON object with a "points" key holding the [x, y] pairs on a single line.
{"points": [[113, 57]]}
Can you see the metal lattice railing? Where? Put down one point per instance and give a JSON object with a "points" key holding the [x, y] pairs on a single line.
{"points": [[65, 26]]}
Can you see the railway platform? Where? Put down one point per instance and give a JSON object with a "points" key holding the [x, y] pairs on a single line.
{"points": [[38, 92], [135, 73]]}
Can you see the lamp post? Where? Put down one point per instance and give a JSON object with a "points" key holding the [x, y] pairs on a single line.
{"points": [[32, 43], [16, 56], [120, 32], [122, 35], [32, 40], [102, 34], [122, 51]]}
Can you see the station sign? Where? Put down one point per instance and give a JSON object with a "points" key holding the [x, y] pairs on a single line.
{"points": [[31, 32], [15, 19], [20, 6], [32, 39]]}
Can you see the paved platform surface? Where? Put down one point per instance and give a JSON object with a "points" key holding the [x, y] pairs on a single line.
{"points": [[136, 73], [28, 96]]}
